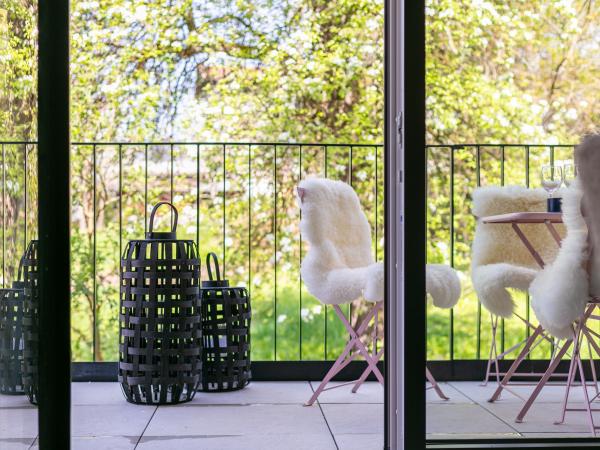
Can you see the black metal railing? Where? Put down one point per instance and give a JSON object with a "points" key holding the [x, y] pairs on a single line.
{"points": [[236, 199]]}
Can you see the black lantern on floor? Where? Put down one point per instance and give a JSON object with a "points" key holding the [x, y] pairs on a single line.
{"points": [[226, 315], [12, 304], [31, 307], [160, 335]]}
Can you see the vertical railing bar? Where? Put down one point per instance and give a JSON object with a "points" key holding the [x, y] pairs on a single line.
{"points": [[3, 218], [145, 188], [350, 156], [325, 306], [120, 150], [376, 218], [552, 164], [198, 198], [171, 180], [451, 343], [478, 176], [275, 251], [94, 248], [527, 299], [502, 322], [300, 262], [25, 195], [250, 220], [224, 212]]}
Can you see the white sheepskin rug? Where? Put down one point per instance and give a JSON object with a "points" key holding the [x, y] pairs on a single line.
{"points": [[443, 285], [561, 291], [500, 261], [339, 265]]}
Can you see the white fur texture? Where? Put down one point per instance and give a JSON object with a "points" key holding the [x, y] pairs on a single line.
{"points": [[500, 261], [339, 265], [443, 285], [561, 291]]}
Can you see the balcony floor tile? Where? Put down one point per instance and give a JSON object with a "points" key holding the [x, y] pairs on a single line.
{"points": [[369, 392], [185, 420], [354, 419]]}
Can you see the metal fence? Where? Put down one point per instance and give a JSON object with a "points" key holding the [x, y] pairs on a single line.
{"points": [[236, 199]]}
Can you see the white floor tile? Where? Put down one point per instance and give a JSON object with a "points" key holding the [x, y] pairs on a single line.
{"points": [[541, 418], [306, 441], [454, 396], [16, 443], [463, 419], [369, 392], [15, 401], [99, 443], [96, 394], [359, 441], [110, 420], [549, 394], [186, 420], [354, 419], [18, 423], [259, 392]]}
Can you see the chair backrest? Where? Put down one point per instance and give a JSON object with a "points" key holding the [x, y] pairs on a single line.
{"points": [[335, 226], [498, 243], [587, 158]]}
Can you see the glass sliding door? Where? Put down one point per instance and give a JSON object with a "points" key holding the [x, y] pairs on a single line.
{"points": [[19, 362]]}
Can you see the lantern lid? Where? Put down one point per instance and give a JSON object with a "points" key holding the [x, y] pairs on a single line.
{"points": [[162, 235], [212, 283]]}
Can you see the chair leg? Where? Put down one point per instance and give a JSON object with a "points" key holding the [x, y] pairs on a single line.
{"points": [[435, 385], [493, 356], [366, 372], [346, 356]]}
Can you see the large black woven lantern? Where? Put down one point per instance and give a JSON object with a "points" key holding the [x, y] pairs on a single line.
{"points": [[226, 315], [31, 307], [160, 336], [12, 304]]}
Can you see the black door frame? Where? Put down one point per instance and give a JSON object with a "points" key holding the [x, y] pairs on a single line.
{"points": [[53, 225], [405, 192]]}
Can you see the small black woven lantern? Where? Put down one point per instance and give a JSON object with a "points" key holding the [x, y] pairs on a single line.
{"points": [[12, 304], [226, 315], [31, 307], [160, 337]]}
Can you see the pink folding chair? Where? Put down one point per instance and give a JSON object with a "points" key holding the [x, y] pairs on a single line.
{"points": [[339, 268]]}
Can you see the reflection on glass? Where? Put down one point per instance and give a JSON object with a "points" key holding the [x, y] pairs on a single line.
{"points": [[18, 211]]}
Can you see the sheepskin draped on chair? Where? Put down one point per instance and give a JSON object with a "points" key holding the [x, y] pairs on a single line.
{"points": [[500, 261], [339, 266]]}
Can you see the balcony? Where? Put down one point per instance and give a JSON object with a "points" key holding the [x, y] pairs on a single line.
{"points": [[238, 200]]}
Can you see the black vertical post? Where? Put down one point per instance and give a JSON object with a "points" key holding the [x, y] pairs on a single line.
{"points": [[414, 220], [54, 199]]}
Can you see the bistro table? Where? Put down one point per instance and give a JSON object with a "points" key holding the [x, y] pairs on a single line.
{"points": [[549, 220]]}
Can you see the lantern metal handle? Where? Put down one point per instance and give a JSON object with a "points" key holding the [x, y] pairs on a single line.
{"points": [[158, 205], [208, 267]]}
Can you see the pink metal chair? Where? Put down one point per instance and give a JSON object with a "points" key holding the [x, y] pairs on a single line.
{"points": [[339, 268]]}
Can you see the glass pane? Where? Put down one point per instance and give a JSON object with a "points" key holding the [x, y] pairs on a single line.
{"points": [[18, 213], [221, 108]]}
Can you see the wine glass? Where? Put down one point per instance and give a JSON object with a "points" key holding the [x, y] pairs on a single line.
{"points": [[552, 178], [569, 173]]}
